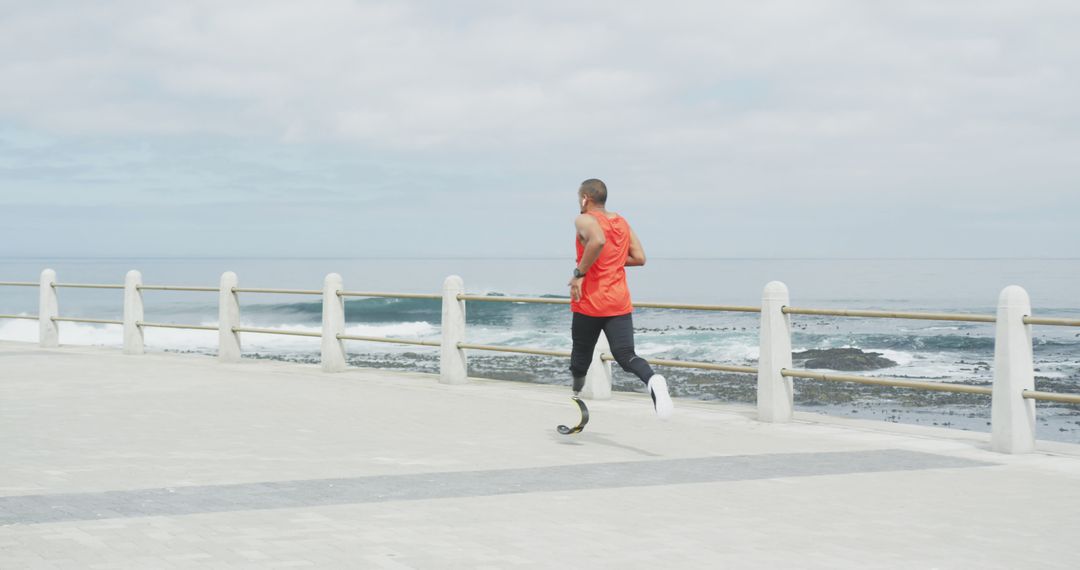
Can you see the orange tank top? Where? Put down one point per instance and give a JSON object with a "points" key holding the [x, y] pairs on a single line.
{"points": [[603, 291]]}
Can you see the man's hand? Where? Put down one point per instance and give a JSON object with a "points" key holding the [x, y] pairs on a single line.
{"points": [[575, 288]]}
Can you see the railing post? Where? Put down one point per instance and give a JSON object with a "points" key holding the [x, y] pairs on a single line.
{"points": [[48, 309], [775, 397], [453, 367], [133, 313], [1012, 417], [333, 324], [598, 378], [228, 318]]}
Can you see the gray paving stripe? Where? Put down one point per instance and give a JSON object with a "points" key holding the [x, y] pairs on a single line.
{"points": [[36, 509]]}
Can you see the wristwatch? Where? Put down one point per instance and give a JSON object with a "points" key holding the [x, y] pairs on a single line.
{"points": [[578, 274]]}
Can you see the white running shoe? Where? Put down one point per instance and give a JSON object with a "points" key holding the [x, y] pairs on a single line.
{"points": [[660, 397]]}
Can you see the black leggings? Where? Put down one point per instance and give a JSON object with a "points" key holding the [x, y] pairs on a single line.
{"points": [[585, 331]]}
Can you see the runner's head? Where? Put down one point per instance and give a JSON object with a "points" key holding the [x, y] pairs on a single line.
{"points": [[592, 191]]}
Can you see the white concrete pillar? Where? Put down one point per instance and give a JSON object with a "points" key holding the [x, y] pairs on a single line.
{"points": [[775, 396], [48, 308], [228, 317], [453, 367], [1012, 417], [598, 378], [333, 324], [133, 313]]}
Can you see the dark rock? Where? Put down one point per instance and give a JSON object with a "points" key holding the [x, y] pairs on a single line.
{"points": [[847, 359]]}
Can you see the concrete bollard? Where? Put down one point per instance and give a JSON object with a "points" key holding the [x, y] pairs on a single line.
{"points": [[333, 324], [775, 396], [453, 367], [133, 313], [48, 309], [228, 318], [1012, 417], [598, 378]]}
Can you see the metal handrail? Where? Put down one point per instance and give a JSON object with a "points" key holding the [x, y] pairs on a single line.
{"points": [[608, 357], [87, 286], [519, 350], [87, 320], [956, 317], [505, 299], [896, 382], [388, 340], [175, 326], [280, 291], [642, 305], [691, 364], [275, 331], [892, 315], [388, 295], [18, 283], [175, 288], [1052, 397], [925, 316], [693, 307], [27, 317], [934, 386], [1052, 322]]}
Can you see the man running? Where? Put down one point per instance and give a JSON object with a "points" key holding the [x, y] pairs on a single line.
{"points": [[599, 297]]}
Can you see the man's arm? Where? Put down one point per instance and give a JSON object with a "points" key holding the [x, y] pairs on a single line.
{"points": [[592, 237], [635, 256]]}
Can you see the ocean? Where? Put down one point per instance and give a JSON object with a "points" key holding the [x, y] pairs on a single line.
{"points": [[936, 351]]}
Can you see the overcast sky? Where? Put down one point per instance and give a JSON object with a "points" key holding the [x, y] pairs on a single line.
{"points": [[723, 129]]}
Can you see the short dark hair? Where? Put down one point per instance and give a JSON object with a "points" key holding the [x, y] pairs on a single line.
{"points": [[595, 189]]}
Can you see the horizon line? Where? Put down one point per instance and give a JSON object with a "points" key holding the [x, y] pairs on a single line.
{"points": [[534, 258]]}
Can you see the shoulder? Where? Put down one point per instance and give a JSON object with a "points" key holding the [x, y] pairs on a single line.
{"points": [[585, 220]]}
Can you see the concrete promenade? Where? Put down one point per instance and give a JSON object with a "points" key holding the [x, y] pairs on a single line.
{"points": [[179, 461]]}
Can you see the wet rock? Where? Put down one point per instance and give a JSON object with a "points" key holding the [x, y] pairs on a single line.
{"points": [[847, 359]]}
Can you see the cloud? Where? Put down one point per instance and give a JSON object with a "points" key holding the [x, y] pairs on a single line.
{"points": [[824, 105]]}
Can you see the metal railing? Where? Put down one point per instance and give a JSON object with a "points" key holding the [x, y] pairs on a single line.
{"points": [[175, 326], [135, 286], [513, 349], [175, 288], [955, 317], [388, 295], [19, 284], [389, 340], [87, 320], [891, 315], [1051, 397], [27, 317], [1052, 322], [791, 373], [86, 286], [341, 295], [637, 305], [278, 291], [58, 318], [274, 331], [139, 287], [893, 382]]}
